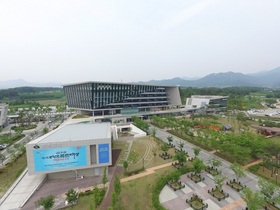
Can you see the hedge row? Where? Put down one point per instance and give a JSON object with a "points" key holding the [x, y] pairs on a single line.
{"points": [[162, 182]]}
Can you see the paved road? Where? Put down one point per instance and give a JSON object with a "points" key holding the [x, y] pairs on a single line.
{"points": [[250, 180]]}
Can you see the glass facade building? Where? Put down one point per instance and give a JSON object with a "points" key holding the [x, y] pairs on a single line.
{"points": [[103, 98]]}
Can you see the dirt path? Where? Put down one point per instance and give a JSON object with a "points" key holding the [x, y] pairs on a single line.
{"points": [[253, 163]]}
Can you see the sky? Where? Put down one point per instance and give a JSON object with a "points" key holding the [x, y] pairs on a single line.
{"points": [[70, 41]]}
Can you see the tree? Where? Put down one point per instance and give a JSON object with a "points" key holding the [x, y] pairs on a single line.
{"points": [[269, 190], [117, 185], [181, 145], [115, 199], [46, 202], [237, 169], [125, 165], [198, 165], [181, 157], [213, 162], [164, 147], [196, 151], [170, 139], [254, 200], [104, 178], [45, 130], [71, 196], [153, 134], [2, 158], [219, 180]]}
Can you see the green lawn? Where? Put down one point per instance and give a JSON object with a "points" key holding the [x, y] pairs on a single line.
{"points": [[10, 173], [137, 194]]}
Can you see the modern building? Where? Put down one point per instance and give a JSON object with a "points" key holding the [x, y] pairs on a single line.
{"points": [[199, 101], [104, 98], [74, 150], [3, 115]]}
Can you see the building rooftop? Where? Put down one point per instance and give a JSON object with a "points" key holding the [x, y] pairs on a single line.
{"points": [[208, 97], [100, 82], [76, 132]]}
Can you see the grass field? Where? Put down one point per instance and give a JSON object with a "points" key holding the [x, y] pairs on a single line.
{"points": [[52, 102], [10, 173], [137, 194]]}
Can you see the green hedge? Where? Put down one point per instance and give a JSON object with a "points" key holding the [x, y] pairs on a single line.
{"points": [[162, 182], [137, 171]]}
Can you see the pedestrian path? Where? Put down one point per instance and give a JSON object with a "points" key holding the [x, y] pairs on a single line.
{"points": [[21, 191], [147, 172]]}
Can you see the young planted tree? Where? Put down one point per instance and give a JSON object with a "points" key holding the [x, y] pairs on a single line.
{"points": [[219, 181], [181, 145], [170, 139], [104, 178], [196, 151], [180, 157], [198, 165], [71, 196], [117, 185], [153, 133], [270, 191], [2, 158], [125, 165], [164, 147], [254, 200], [237, 169], [46, 202], [214, 162]]}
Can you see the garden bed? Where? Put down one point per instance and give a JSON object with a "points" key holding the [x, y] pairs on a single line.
{"points": [[196, 202], [212, 171], [219, 194], [196, 177], [235, 185], [175, 185]]}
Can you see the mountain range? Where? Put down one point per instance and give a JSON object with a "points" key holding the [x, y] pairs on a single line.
{"points": [[22, 83], [270, 79]]}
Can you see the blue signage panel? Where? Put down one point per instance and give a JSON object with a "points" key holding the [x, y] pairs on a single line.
{"points": [[59, 158], [103, 150]]}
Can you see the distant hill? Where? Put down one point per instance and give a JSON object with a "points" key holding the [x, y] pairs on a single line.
{"points": [[269, 79], [23, 83]]}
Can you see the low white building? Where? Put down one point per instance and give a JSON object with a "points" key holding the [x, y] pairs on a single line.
{"points": [[74, 150], [199, 101], [3, 115]]}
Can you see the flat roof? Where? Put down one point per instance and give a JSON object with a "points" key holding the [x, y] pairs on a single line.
{"points": [[76, 132], [208, 96], [108, 83]]}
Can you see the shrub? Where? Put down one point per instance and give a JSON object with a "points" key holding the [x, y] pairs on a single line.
{"points": [[137, 171], [254, 168]]}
